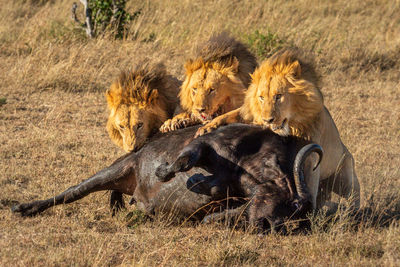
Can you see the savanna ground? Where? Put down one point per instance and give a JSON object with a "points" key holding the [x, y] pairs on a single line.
{"points": [[53, 114]]}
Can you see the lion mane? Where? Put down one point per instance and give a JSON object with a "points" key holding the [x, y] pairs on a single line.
{"points": [[143, 97], [306, 98], [225, 55]]}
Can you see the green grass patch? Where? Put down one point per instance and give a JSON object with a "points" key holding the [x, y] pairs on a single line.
{"points": [[136, 218], [264, 44], [3, 101]]}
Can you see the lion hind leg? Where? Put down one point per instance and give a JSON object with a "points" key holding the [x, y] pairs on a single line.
{"points": [[346, 183]]}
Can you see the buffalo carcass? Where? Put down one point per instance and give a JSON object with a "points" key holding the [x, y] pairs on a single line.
{"points": [[253, 167]]}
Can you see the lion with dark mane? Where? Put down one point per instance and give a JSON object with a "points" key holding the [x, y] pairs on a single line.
{"points": [[215, 81], [284, 96], [140, 100]]}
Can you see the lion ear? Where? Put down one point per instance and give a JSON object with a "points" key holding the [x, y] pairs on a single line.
{"points": [[110, 98], [188, 66], [295, 69], [153, 96], [234, 68]]}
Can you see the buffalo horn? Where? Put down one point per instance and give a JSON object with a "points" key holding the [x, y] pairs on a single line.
{"points": [[298, 169]]}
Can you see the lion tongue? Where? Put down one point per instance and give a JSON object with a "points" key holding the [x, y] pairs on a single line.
{"points": [[204, 117]]}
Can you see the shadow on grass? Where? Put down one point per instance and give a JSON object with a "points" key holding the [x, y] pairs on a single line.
{"points": [[376, 213]]}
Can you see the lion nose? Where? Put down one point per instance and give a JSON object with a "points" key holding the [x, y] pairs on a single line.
{"points": [[269, 120], [200, 110]]}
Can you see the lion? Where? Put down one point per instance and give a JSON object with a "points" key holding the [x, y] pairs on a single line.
{"points": [[215, 81], [284, 96], [140, 100]]}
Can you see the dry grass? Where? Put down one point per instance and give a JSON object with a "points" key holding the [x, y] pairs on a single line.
{"points": [[53, 115]]}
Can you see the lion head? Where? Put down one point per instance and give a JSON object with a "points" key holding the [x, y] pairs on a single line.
{"points": [[217, 78], [139, 101], [283, 95]]}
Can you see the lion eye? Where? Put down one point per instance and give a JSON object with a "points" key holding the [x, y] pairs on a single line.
{"points": [[261, 98], [121, 127], [211, 90], [278, 97], [140, 124]]}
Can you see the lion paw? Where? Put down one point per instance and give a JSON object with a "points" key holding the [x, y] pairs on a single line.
{"points": [[205, 129], [166, 127], [174, 124]]}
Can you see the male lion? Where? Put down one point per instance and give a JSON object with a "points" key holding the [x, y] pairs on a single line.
{"points": [[215, 81], [140, 101], [284, 96]]}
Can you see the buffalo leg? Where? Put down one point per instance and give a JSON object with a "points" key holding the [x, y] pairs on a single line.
{"points": [[185, 161], [116, 202], [226, 214], [109, 178]]}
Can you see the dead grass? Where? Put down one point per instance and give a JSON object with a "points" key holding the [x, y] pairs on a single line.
{"points": [[53, 114]]}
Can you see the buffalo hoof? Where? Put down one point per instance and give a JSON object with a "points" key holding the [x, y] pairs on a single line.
{"points": [[116, 202], [214, 217], [163, 174], [28, 209]]}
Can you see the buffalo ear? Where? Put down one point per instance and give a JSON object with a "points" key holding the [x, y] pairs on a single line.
{"points": [[295, 69]]}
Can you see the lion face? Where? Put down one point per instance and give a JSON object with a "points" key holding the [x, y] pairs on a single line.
{"points": [[274, 101], [210, 95], [131, 126], [211, 90], [131, 122]]}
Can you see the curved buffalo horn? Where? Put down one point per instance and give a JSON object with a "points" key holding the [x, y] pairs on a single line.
{"points": [[298, 169]]}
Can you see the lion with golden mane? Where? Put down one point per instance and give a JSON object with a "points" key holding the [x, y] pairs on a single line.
{"points": [[215, 81], [140, 101], [284, 96]]}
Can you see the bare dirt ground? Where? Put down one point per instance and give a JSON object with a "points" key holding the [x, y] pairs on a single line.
{"points": [[53, 115]]}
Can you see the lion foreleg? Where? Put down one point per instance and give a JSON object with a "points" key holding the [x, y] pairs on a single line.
{"points": [[227, 118]]}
